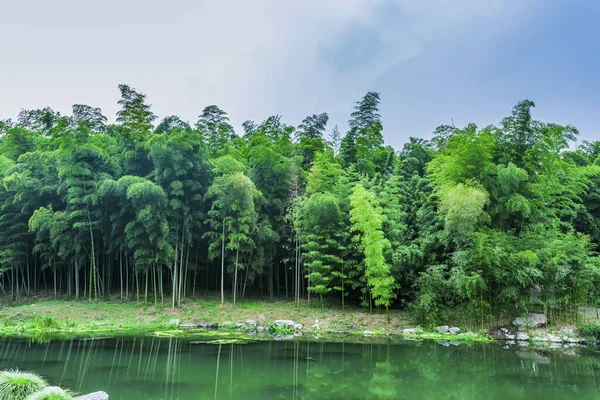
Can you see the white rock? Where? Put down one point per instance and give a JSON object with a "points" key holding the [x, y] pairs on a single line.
{"points": [[454, 330], [298, 327], [282, 322], [442, 329], [555, 339], [93, 396]]}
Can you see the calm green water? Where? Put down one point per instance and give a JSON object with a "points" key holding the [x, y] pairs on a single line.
{"points": [[152, 368]]}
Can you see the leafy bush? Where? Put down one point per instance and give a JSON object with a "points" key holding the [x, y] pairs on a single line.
{"points": [[17, 385], [51, 393], [590, 329], [284, 330]]}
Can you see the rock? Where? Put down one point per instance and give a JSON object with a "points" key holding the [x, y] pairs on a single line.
{"points": [[316, 327], [297, 334], [444, 343], [251, 323], [368, 333], [261, 328], [523, 343], [531, 321], [282, 322], [555, 339], [522, 336], [188, 326], [540, 339], [174, 322], [282, 337], [567, 331], [502, 333], [410, 331], [93, 396], [208, 325], [538, 320], [298, 327], [573, 340], [442, 329], [454, 331], [239, 325]]}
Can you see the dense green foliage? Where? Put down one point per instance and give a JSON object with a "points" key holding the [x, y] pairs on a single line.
{"points": [[18, 385], [476, 223]]}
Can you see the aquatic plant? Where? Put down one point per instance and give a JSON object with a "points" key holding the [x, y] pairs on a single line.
{"points": [[17, 385], [51, 393]]}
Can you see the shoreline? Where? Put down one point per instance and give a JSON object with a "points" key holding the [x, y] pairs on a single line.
{"points": [[248, 321]]}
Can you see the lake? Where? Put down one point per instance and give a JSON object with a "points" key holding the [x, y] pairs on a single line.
{"points": [[153, 368]]}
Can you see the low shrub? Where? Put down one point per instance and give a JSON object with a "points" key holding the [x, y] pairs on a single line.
{"points": [[17, 385], [51, 393], [590, 329]]}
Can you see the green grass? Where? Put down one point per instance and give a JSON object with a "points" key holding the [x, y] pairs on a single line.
{"points": [[51, 393], [18, 385]]}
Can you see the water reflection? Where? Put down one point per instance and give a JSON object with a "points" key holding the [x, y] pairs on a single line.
{"points": [[168, 369]]}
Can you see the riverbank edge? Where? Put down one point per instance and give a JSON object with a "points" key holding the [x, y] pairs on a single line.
{"points": [[245, 334]]}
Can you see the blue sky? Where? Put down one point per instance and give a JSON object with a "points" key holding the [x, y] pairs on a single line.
{"points": [[434, 61]]}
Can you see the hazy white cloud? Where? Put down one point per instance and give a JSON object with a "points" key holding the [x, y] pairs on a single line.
{"points": [[252, 58]]}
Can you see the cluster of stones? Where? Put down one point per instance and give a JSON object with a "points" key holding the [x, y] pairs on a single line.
{"points": [[516, 333], [440, 329], [250, 326]]}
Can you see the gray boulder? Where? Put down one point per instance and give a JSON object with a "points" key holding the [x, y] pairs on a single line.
{"points": [[442, 329], [188, 326], [454, 331], [93, 396], [531, 321], [282, 322], [208, 325], [251, 323], [298, 327], [410, 331]]}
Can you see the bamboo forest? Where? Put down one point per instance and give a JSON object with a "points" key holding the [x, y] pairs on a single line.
{"points": [[473, 224]]}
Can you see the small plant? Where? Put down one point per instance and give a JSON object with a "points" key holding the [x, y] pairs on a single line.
{"points": [[590, 329], [17, 385], [51, 393], [284, 330]]}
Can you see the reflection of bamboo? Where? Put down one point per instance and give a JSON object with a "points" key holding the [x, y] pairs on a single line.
{"points": [[217, 373], [131, 355], [296, 361], [66, 361], [115, 352], [149, 359], [140, 358], [231, 371], [87, 356]]}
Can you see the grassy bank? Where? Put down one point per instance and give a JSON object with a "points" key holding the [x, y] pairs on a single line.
{"points": [[89, 317], [45, 319]]}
